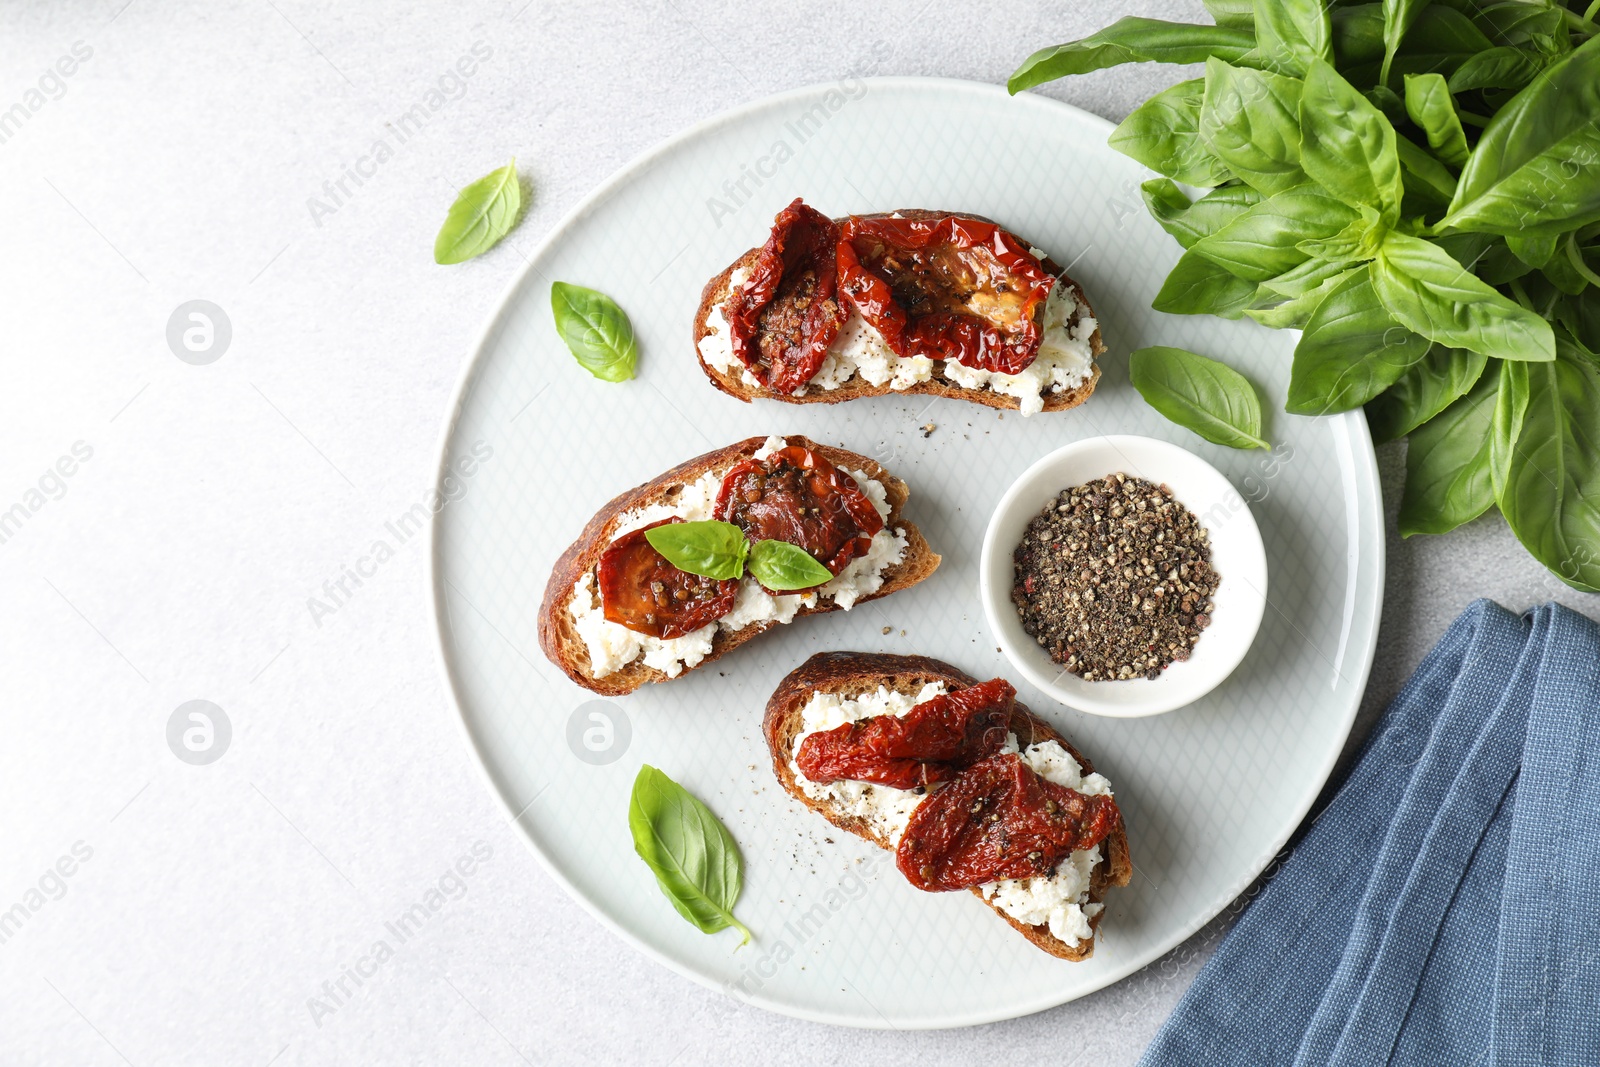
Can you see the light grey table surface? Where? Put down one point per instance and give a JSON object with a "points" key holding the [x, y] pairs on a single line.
{"points": [[194, 151]]}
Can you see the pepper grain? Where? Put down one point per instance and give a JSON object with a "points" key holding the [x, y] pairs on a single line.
{"points": [[1114, 579]]}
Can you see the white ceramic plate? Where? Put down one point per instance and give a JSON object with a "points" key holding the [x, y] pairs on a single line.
{"points": [[1209, 795], [1236, 553]]}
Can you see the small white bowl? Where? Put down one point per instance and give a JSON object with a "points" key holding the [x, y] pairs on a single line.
{"points": [[1236, 553]]}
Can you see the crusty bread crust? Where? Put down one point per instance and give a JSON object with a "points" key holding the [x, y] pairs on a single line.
{"points": [[733, 383], [558, 635], [851, 674]]}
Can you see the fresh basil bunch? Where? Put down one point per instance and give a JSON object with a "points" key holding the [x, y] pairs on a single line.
{"points": [[1415, 185]]}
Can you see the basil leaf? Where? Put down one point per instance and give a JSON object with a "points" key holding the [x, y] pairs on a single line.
{"points": [[1308, 276], [1511, 407], [1162, 134], [1433, 181], [1261, 243], [1199, 286], [1443, 377], [694, 858], [1349, 146], [1533, 249], [1295, 313], [1448, 478], [1351, 350], [1550, 493], [596, 330], [1536, 168], [1131, 40], [1239, 14], [708, 548], [1357, 242], [1199, 394], [1433, 295], [1440, 40], [1250, 120], [1187, 220], [783, 567], [1291, 34], [483, 213], [1504, 67], [1398, 15], [1433, 109]]}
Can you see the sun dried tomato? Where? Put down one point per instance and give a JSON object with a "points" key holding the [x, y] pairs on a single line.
{"points": [[927, 744], [783, 319], [796, 495], [639, 589], [998, 819], [948, 287]]}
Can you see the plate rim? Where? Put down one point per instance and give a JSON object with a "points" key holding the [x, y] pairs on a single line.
{"points": [[1354, 424]]}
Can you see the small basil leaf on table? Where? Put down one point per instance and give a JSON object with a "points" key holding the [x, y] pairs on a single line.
{"points": [[1433, 109], [695, 860], [1199, 286], [1199, 394], [1351, 350], [1162, 133], [783, 567], [1262, 242], [483, 213], [710, 549], [1131, 40], [1291, 34], [596, 331], [1188, 221], [1433, 295], [1448, 478], [1250, 120], [1528, 171], [1349, 145], [1442, 377], [1550, 493]]}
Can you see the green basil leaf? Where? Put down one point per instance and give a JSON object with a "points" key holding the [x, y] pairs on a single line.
{"points": [[1433, 295], [1550, 493], [1349, 146], [1433, 109], [483, 213], [1295, 313], [1433, 181], [1440, 40], [596, 330], [1359, 241], [1308, 276], [1131, 40], [783, 567], [1511, 406], [1357, 35], [1239, 14], [1448, 465], [1199, 394], [1536, 168], [1291, 34], [1443, 377], [1262, 242], [1249, 119], [1199, 286], [1561, 272], [1533, 249], [1398, 15], [1189, 220], [1352, 350], [708, 548], [695, 860], [1162, 134], [1500, 264], [1503, 67], [1387, 101]]}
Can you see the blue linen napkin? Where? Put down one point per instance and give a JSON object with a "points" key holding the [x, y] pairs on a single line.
{"points": [[1445, 907]]}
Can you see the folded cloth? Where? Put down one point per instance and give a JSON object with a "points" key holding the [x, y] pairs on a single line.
{"points": [[1445, 907]]}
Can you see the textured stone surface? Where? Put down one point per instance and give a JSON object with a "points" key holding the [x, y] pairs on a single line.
{"points": [[176, 163]]}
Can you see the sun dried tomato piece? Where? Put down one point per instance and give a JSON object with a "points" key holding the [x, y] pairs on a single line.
{"points": [[796, 495], [639, 589], [948, 287], [927, 744], [783, 319], [998, 819]]}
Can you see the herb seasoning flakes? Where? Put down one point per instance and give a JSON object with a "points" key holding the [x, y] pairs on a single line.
{"points": [[1114, 579]]}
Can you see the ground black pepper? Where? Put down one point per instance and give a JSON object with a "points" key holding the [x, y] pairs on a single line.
{"points": [[1114, 579]]}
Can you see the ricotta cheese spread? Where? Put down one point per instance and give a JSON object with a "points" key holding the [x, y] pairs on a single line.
{"points": [[1059, 900], [1065, 359], [612, 646]]}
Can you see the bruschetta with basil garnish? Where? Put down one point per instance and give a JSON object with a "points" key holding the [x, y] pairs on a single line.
{"points": [[684, 569], [967, 787], [911, 301]]}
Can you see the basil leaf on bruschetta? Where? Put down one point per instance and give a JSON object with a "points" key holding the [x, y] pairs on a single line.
{"points": [[708, 548], [785, 567]]}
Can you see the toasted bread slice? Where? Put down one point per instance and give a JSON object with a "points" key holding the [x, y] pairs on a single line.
{"points": [[558, 635], [851, 674], [732, 382]]}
